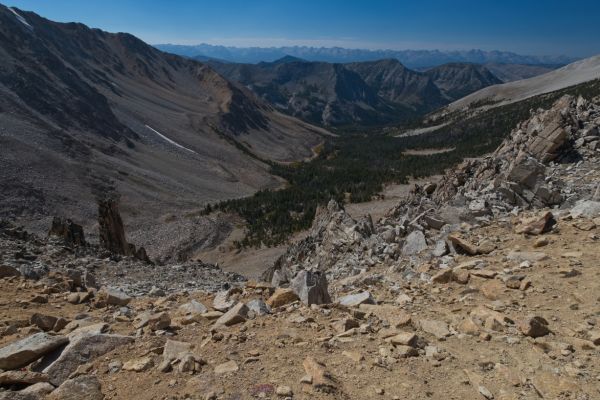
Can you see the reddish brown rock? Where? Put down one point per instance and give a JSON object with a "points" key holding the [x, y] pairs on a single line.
{"points": [[463, 245], [281, 297], [537, 225], [534, 326]]}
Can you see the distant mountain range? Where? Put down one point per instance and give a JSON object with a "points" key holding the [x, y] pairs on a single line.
{"points": [[364, 93], [410, 58]]}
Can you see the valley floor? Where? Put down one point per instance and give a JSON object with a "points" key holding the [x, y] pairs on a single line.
{"points": [[252, 262]]}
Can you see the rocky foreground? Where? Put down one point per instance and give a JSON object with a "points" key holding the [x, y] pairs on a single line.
{"points": [[481, 286]]}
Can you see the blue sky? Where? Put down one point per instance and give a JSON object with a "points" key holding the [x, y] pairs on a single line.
{"points": [[536, 27]]}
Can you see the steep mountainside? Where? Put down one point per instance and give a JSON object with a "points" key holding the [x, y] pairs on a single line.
{"points": [[396, 83], [323, 93], [569, 75], [515, 72], [86, 113], [458, 80], [365, 93]]}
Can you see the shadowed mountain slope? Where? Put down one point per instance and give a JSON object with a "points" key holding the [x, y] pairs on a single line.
{"points": [[86, 114], [364, 93]]}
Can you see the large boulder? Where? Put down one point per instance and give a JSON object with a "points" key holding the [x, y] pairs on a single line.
{"points": [[355, 300], [586, 208], [23, 352], [236, 315], [414, 243], [82, 349], [81, 387], [311, 287]]}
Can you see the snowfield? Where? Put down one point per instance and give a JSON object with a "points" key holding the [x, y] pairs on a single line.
{"points": [[169, 140], [21, 19]]}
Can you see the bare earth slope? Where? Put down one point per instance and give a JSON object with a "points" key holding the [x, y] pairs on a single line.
{"points": [[569, 75], [515, 72], [86, 113]]}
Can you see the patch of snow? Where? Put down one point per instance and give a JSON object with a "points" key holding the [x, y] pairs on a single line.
{"points": [[169, 140], [21, 19]]}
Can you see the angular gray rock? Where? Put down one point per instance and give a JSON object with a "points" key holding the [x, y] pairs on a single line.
{"points": [[154, 322], [258, 307], [440, 249], [586, 208], [10, 395], [82, 387], [311, 287], [414, 243], [40, 389], [82, 349], [237, 314], [225, 299], [23, 352], [193, 308], [174, 349], [439, 329], [114, 297], [354, 300]]}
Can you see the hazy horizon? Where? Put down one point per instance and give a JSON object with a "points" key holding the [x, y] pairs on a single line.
{"points": [[522, 27]]}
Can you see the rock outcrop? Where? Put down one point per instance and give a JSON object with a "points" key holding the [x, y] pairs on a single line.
{"points": [[518, 172], [333, 233], [70, 232], [112, 232]]}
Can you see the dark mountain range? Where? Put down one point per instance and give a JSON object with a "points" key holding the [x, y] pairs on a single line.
{"points": [[366, 93], [458, 80], [410, 58], [398, 84], [87, 114], [322, 93]]}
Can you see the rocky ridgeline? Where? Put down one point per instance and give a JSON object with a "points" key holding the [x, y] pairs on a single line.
{"points": [[549, 160], [482, 286]]}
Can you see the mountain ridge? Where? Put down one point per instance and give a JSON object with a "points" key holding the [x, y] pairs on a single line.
{"points": [[102, 114], [572, 74], [410, 58], [366, 93]]}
